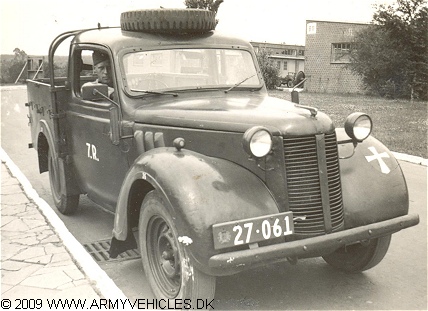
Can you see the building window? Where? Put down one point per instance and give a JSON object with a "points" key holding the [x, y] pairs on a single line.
{"points": [[289, 52], [285, 65], [340, 52], [311, 28], [301, 53], [278, 64]]}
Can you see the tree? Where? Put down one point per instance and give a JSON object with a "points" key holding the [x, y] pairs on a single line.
{"points": [[11, 68], [391, 54], [20, 55], [269, 71], [211, 5]]}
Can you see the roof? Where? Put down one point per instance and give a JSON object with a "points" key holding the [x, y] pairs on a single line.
{"points": [[116, 39], [337, 22]]}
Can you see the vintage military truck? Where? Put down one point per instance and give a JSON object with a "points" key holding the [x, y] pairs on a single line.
{"points": [[217, 176]]}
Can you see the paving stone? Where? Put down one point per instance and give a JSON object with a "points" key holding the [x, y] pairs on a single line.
{"points": [[5, 288], [12, 210], [75, 274], [16, 277], [31, 211], [54, 269], [11, 265], [8, 250], [16, 225], [42, 260], [29, 253], [61, 263], [7, 180], [6, 219], [29, 292], [50, 239], [34, 223], [11, 189], [32, 240], [60, 257], [49, 280], [12, 235], [54, 249], [66, 286], [41, 229], [14, 199], [81, 282]]}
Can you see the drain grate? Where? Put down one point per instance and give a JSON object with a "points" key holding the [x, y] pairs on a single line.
{"points": [[99, 251]]}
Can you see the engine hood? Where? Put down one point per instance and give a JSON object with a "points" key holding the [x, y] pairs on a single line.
{"points": [[236, 114]]}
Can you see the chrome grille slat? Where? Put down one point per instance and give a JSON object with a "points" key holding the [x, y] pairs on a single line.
{"points": [[303, 183]]}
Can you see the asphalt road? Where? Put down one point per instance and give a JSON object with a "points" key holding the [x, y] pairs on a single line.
{"points": [[399, 282]]}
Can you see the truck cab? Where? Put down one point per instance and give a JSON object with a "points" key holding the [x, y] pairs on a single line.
{"points": [[186, 147]]}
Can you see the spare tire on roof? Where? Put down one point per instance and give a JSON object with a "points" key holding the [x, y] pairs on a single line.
{"points": [[175, 21]]}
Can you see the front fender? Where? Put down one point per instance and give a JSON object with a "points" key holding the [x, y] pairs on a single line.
{"points": [[373, 184], [201, 191]]}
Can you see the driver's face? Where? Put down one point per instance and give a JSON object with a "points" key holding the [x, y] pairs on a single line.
{"points": [[103, 71]]}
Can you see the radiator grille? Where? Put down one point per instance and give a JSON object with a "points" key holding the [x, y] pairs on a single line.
{"points": [[303, 183]]}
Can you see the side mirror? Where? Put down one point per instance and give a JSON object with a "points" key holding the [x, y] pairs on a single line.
{"points": [[94, 91]]}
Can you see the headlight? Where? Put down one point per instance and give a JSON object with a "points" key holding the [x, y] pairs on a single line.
{"points": [[358, 126], [257, 141]]}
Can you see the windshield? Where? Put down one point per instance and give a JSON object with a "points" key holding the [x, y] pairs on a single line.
{"points": [[189, 69]]}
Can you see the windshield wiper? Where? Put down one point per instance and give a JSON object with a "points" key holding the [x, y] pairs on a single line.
{"points": [[154, 92], [239, 83]]}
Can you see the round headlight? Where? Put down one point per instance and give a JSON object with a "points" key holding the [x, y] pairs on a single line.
{"points": [[358, 126], [257, 141]]}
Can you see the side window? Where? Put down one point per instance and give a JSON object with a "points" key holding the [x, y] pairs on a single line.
{"points": [[92, 66]]}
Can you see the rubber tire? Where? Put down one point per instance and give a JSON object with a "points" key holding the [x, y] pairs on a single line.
{"points": [[189, 285], [66, 204], [359, 257], [173, 21], [290, 83]]}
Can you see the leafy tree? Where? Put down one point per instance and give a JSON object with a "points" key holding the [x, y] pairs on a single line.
{"points": [[11, 68], [391, 54], [270, 72], [20, 55], [211, 5]]}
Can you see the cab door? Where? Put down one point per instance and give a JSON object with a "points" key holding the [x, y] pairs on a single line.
{"points": [[100, 165]]}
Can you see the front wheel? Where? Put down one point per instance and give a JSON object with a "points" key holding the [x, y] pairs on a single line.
{"points": [[361, 256], [66, 203], [166, 264]]}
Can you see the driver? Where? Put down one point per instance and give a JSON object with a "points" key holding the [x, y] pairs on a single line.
{"points": [[102, 68]]}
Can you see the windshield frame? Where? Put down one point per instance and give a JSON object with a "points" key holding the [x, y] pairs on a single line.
{"points": [[128, 89]]}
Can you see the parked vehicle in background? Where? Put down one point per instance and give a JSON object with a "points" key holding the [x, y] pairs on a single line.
{"points": [[293, 80]]}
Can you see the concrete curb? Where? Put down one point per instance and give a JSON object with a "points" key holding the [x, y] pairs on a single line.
{"points": [[99, 279], [410, 158]]}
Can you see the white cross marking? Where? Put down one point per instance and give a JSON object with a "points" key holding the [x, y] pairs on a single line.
{"points": [[378, 156]]}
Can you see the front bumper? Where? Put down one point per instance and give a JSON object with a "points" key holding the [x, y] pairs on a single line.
{"points": [[236, 261]]}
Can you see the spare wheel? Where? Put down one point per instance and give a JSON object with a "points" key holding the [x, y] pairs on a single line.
{"points": [[175, 21]]}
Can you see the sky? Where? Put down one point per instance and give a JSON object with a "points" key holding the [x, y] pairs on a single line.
{"points": [[31, 25]]}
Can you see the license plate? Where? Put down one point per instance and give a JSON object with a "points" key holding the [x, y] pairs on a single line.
{"points": [[252, 230]]}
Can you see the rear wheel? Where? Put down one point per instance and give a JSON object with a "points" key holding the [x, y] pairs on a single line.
{"points": [[165, 260], [361, 256], [66, 203]]}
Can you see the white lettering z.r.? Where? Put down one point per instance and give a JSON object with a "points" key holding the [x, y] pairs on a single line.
{"points": [[378, 156], [92, 152]]}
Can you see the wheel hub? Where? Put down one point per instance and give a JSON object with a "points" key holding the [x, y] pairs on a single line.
{"points": [[168, 253]]}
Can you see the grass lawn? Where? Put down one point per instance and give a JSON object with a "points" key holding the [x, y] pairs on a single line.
{"points": [[399, 124]]}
